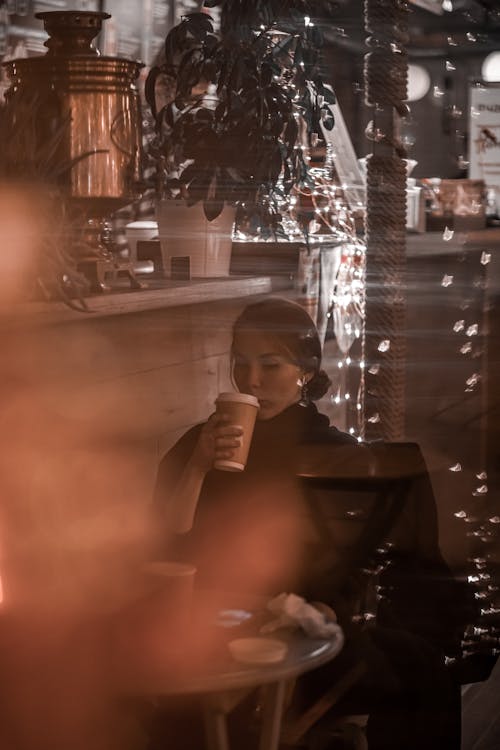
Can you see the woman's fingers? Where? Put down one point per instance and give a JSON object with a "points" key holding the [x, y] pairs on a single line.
{"points": [[226, 441], [219, 439], [227, 437], [222, 428], [224, 448]]}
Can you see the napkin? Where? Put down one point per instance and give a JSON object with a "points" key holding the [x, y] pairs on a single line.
{"points": [[293, 611]]}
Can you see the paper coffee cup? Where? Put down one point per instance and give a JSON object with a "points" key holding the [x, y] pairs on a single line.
{"points": [[241, 409]]}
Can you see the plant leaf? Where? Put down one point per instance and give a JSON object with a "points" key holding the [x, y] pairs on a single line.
{"points": [[150, 89], [212, 208]]}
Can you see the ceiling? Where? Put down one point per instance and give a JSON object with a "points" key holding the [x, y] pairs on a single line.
{"points": [[471, 26]]}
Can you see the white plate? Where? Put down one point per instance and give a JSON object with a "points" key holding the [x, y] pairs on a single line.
{"points": [[258, 650]]}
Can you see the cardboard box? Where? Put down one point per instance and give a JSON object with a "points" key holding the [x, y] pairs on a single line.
{"points": [[456, 204]]}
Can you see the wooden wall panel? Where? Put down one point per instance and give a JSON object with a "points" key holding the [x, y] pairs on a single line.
{"points": [[91, 407]]}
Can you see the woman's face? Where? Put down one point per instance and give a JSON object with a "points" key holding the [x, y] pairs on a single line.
{"points": [[264, 370]]}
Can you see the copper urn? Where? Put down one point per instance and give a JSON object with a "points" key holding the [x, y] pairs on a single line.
{"points": [[98, 99]]}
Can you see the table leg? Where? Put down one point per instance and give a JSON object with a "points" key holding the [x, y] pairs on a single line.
{"points": [[273, 698], [214, 718]]}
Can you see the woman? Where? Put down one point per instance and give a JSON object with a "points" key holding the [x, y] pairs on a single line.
{"points": [[250, 530], [209, 514]]}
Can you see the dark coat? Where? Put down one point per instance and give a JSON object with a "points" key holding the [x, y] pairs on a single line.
{"points": [[253, 531]]}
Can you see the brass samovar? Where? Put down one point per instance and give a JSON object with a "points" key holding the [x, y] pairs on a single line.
{"points": [[93, 102]]}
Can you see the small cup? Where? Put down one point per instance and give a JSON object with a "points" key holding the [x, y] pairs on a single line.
{"points": [[169, 589], [241, 409], [154, 628]]}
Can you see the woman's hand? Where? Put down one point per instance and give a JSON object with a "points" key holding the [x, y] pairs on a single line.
{"points": [[218, 439]]}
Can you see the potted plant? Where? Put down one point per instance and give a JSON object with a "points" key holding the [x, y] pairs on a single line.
{"points": [[240, 105]]}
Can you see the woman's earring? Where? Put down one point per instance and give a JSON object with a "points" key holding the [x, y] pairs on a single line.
{"points": [[304, 392]]}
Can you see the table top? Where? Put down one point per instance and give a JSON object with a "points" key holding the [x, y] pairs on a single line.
{"points": [[304, 653], [191, 668]]}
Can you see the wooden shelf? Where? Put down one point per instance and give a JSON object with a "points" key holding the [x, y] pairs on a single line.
{"points": [[159, 294], [432, 243]]}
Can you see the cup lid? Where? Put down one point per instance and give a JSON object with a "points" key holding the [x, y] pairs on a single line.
{"points": [[241, 398], [142, 225]]}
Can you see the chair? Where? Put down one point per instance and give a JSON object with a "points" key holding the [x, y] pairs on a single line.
{"points": [[377, 477], [363, 500]]}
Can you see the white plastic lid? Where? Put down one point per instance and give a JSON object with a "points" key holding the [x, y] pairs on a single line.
{"points": [[241, 398], [142, 225]]}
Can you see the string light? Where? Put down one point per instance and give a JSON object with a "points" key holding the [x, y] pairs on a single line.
{"points": [[329, 218], [481, 525], [320, 209]]}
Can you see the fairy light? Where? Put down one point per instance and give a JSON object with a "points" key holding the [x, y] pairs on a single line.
{"points": [[481, 490], [473, 380], [481, 525], [322, 207], [348, 301]]}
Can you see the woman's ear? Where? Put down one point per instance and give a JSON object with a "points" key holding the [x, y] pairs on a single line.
{"points": [[304, 379]]}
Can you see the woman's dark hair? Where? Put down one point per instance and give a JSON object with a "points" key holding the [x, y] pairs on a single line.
{"points": [[292, 327]]}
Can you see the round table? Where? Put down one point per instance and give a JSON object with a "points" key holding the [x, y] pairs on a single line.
{"points": [[223, 682]]}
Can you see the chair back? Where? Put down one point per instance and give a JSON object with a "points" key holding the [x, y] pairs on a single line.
{"points": [[357, 493], [373, 508]]}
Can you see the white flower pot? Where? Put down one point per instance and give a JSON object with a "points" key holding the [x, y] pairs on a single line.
{"points": [[191, 246], [135, 232]]}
